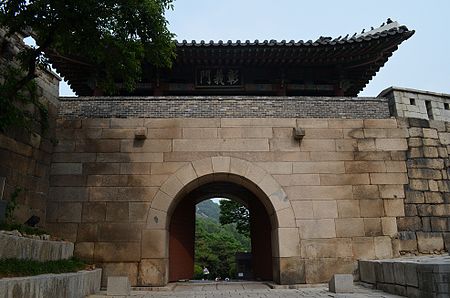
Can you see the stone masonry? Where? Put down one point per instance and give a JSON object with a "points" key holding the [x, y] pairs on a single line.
{"points": [[25, 156], [336, 195], [224, 107], [413, 103], [425, 228]]}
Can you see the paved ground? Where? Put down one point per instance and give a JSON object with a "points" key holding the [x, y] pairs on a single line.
{"points": [[249, 290]]}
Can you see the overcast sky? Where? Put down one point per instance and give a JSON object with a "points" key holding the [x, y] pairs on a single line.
{"points": [[422, 62]]}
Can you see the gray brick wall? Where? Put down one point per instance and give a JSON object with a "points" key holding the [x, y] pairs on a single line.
{"points": [[224, 107]]}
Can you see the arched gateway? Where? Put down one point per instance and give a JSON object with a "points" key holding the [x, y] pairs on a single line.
{"points": [[171, 221]]}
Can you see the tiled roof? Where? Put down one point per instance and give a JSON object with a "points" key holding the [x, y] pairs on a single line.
{"points": [[355, 59]]}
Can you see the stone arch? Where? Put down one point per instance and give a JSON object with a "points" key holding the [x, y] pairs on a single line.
{"points": [[285, 235], [245, 172]]}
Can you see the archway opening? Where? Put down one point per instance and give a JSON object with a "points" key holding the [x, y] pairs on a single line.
{"points": [[222, 240], [182, 228]]}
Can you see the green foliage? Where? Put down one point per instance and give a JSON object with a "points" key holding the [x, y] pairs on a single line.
{"points": [[112, 39], [22, 229], [234, 212], [215, 248], [208, 209], [12, 205], [15, 106], [15, 267]]}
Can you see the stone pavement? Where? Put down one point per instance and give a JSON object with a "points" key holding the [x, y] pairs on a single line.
{"points": [[250, 290]]}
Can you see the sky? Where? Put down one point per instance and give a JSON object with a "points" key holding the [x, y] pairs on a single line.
{"points": [[422, 62]]}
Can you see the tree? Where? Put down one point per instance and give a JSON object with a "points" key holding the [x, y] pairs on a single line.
{"points": [[234, 212], [113, 38], [215, 248]]}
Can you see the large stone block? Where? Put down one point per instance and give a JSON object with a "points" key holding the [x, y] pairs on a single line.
{"points": [[372, 227], [336, 156], [278, 167], [325, 209], [391, 144], [119, 232], [371, 208], [120, 269], [303, 209], [107, 180], [135, 168], [363, 248], [348, 208], [383, 247], [321, 270], [253, 132], [314, 229], [84, 251], [318, 145], [394, 208], [87, 232], [297, 179], [388, 178], [341, 283], [318, 167], [154, 244], [118, 285], [199, 133], [89, 122], [220, 145], [392, 191], [344, 179], [153, 272], [349, 227], [95, 146], [118, 133], [137, 211], [94, 212], [292, 271], [117, 252], [365, 166], [367, 271], [389, 226], [429, 242], [164, 133], [365, 192], [66, 169], [101, 168], [152, 145], [326, 248], [117, 211], [341, 192], [67, 180]]}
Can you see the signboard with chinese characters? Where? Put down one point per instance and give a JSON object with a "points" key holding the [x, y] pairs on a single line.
{"points": [[218, 77]]}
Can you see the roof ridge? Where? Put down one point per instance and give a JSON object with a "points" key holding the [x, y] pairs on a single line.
{"points": [[387, 27]]}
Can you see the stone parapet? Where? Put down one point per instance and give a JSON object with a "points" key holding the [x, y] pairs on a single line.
{"points": [[33, 249], [412, 277], [69, 285], [224, 107]]}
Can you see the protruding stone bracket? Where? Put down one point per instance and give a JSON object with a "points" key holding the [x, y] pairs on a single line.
{"points": [[298, 133], [140, 133]]}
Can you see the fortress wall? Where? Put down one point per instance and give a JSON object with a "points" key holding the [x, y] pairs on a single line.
{"points": [[25, 155], [344, 184], [425, 228]]}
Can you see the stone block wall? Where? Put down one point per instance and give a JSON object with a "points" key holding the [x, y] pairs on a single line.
{"points": [[412, 103], [425, 228], [25, 156], [344, 186]]}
